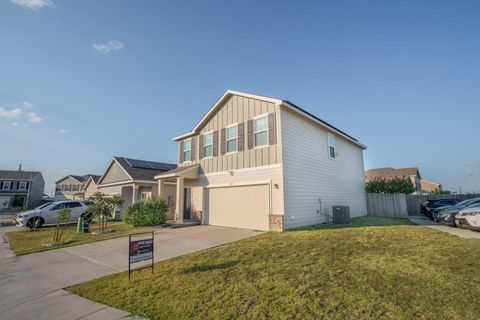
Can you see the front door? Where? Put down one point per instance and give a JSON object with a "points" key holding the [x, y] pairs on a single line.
{"points": [[187, 203]]}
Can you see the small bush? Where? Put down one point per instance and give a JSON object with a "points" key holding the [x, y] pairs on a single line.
{"points": [[149, 212]]}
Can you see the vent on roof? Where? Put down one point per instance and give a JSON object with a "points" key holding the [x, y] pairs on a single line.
{"points": [[142, 164]]}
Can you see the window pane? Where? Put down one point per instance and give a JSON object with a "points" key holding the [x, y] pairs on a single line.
{"points": [[232, 145], [260, 138], [260, 124], [208, 139], [187, 145], [231, 133], [332, 152], [187, 155], [208, 151]]}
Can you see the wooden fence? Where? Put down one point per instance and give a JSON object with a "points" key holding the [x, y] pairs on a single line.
{"points": [[387, 205], [414, 201]]}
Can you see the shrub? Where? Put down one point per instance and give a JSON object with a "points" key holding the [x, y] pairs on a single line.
{"points": [[395, 185], [149, 212]]}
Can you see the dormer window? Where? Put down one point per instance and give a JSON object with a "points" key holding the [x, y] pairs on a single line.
{"points": [[187, 150]]}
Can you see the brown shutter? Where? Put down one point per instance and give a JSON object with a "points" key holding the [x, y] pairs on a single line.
{"points": [[215, 143], [200, 147], [241, 139], [194, 145], [180, 156], [223, 141], [272, 137], [250, 134]]}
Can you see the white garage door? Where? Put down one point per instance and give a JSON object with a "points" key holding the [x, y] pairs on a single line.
{"points": [[244, 207]]}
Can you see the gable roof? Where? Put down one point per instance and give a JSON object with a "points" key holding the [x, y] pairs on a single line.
{"points": [[390, 173], [81, 179], [17, 175], [139, 169], [90, 178], [276, 101]]}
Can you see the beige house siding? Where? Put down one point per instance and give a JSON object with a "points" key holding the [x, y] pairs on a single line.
{"points": [[115, 173], [238, 109], [310, 175], [90, 189], [62, 195]]}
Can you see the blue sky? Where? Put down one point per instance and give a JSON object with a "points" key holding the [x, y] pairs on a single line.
{"points": [[81, 81]]}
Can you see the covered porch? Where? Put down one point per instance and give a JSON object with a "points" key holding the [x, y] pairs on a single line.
{"points": [[182, 178]]}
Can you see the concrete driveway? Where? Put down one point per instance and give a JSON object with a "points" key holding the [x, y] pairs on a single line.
{"points": [[462, 233], [31, 286]]}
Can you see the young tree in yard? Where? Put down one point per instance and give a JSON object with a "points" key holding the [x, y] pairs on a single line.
{"points": [[63, 217], [102, 207], [395, 185]]}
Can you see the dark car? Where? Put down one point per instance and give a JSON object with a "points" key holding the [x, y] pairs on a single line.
{"points": [[427, 208], [448, 216]]}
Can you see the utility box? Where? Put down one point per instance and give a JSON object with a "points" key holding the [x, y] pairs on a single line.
{"points": [[341, 214]]}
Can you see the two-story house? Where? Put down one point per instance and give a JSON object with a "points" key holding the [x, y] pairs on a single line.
{"points": [[263, 163], [72, 187], [20, 188]]}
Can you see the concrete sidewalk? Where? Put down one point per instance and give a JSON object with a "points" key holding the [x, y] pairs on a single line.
{"points": [[31, 286], [462, 233]]}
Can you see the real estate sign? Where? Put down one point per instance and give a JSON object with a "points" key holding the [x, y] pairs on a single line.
{"points": [[140, 248]]}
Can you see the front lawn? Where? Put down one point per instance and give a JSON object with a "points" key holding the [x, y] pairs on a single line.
{"points": [[29, 241], [377, 269]]}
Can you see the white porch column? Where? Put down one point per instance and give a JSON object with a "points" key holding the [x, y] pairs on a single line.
{"points": [[135, 193], [179, 201], [161, 189]]}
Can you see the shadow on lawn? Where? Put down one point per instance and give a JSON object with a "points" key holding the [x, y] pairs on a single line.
{"points": [[360, 222], [210, 267]]}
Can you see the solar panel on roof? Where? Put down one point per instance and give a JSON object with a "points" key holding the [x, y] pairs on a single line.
{"points": [[142, 164]]}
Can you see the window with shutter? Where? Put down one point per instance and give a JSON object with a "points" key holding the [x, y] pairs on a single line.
{"points": [[260, 131], [232, 138], [207, 144], [6, 185]]}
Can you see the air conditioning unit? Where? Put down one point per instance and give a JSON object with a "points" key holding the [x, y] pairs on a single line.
{"points": [[341, 214]]}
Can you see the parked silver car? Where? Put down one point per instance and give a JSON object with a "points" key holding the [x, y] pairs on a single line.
{"points": [[448, 216], [469, 218], [48, 213]]}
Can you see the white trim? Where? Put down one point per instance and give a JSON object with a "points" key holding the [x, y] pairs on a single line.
{"points": [[295, 109], [252, 169], [231, 152], [265, 115], [183, 151], [20, 186], [205, 158]]}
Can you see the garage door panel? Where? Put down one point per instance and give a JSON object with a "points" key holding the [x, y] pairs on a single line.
{"points": [[239, 207]]}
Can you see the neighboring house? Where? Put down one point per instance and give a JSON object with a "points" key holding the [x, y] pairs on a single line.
{"points": [[390, 173], [263, 163], [133, 180], [20, 188], [428, 187], [70, 187], [90, 186]]}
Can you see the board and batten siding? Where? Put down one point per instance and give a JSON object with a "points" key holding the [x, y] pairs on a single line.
{"points": [[237, 109], [310, 175], [115, 174]]}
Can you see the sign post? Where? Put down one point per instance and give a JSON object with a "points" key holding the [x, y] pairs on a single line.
{"points": [[140, 248]]}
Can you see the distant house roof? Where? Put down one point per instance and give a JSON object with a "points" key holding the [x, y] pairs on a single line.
{"points": [[95, 178], [391, 173], [143, 169], [277, 101], [17, 175]]}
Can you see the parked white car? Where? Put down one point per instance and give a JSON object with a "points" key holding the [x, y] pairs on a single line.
{"points": [[48, 213], [468, 218]]}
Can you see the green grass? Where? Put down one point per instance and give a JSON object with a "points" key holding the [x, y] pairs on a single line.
{"points": [[375, 269], [30, 241]]}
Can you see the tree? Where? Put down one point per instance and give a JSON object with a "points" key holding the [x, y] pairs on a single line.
{"points": [[439, 190], [395, 185], [62, 220], [102, 207]]}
